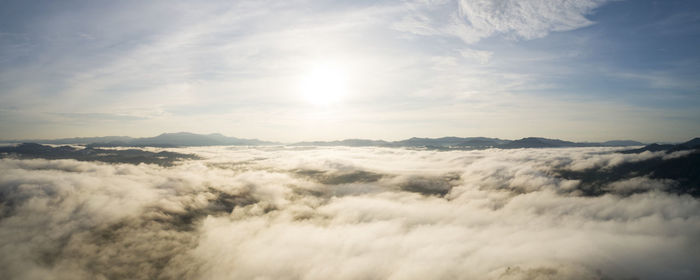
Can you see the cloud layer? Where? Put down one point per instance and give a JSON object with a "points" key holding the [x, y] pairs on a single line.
{"points": [[343, 213]]}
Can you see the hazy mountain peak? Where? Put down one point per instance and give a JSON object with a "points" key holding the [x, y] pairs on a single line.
{"points": [[695, 142]]}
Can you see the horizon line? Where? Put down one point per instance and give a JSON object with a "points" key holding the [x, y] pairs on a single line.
{"points": [[335, 140]]}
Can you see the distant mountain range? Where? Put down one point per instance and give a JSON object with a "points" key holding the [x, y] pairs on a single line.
{"points": [[181, 139], [447, 143], [133, 156], [185, 139], [683, 169], [690, 145]]}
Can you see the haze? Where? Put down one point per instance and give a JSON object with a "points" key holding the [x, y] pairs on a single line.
{"points": [[583, 70], [382, 140]]}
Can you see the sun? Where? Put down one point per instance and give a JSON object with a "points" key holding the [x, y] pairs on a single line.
{"points": [[324, 84]]}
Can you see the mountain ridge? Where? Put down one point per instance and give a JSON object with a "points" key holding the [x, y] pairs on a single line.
{"points": [[654, 147], [182, 139]]}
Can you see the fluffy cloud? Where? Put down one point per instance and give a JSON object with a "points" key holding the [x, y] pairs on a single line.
{"points": [[474, 20], [342, 213]]}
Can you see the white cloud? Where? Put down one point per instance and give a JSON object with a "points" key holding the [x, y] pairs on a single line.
{"points": [[341, 213], [479, 56], [638, 184], [473, 20]]}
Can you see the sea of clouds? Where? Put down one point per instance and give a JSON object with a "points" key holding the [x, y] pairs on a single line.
{"points": [[344, 213]]}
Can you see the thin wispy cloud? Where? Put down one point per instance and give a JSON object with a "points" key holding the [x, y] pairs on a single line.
{"points": [[473, 20], [227, 67]]}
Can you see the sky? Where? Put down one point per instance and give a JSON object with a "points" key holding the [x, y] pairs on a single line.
{"points": [[584, 70]]}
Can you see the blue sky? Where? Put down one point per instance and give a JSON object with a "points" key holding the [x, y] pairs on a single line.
{"points": [[584, 70]]}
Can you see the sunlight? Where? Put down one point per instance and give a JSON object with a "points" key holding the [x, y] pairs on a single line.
{"points": [[324, 84]]}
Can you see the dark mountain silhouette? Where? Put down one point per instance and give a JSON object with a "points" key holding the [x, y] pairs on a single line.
{"points": [[536, 142], [346, 142], [684, 170], [481, 142], [450, 142], [177, 139], [651, 148], [133, 156], [456, 143], [692, 144], [181, 139], [622, 143], [444, 142]]}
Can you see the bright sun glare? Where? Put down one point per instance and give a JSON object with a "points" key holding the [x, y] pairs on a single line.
{"points": [[325, 84]]}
